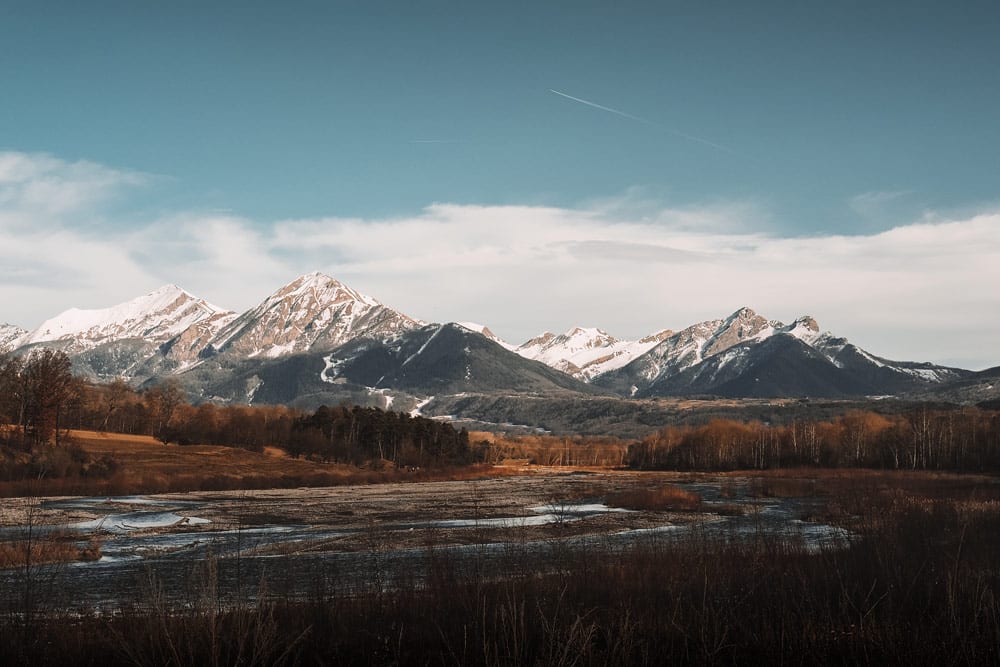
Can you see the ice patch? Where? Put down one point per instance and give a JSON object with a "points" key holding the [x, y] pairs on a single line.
{"points": [[544, 515], [124, 523], [582, 508]]}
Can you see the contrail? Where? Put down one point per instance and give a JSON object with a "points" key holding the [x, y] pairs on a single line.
{"points": [[683, 135]]}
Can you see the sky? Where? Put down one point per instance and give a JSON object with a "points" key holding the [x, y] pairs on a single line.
{"points": [[531, 166]]}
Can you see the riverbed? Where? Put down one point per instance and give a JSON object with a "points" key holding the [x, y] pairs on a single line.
{"points": [[176, 549]]}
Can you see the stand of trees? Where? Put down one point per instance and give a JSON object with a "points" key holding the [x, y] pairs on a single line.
{"points": [[360, 434], [36, 393], [40, 400], [923, 438]]}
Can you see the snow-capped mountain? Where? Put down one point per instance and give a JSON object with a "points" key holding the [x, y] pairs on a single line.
{"points": [[586, 353], [154, 318], [9, 336], [686, 348], [316, 338], [746, 354], [313, 312]]}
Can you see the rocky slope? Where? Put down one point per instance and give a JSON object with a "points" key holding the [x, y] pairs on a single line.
{"points": [[313, 311], [403, 372], [747, 355], [10, 336]]}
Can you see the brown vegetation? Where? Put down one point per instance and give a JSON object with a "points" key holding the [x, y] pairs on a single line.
{"points": [[47, 549], [917, 584], [548, 450], [965, 439], [143, 464], [664, 497]]}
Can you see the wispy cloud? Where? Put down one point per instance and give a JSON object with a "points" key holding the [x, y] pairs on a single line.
{"points": [[876, 204], [39, 188], [659, 126]]}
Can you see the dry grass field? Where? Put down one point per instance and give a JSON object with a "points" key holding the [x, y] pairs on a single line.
{"points": [[145, 455], [146, 465]]}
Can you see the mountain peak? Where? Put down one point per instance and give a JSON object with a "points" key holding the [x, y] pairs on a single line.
{"points": [[743, 313], [313, 310], [169, 288], [314, 278], [320, 289], [588, 337], [740, 326], [539, 340], [807, 322], [484, 330], [306, 280]]}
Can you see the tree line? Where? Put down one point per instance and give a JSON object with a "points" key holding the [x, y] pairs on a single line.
{"points": [[40, 400], [923, 438]]}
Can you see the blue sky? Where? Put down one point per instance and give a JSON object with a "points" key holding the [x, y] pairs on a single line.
{"points": [[739, 125]]}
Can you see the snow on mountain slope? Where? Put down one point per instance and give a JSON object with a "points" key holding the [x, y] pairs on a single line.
{"points": [[690, 347], [356, 341], [714, 356], [155, 317], [314, 311], [586, 353], [438, 359], [485, 331], [9, 335]]}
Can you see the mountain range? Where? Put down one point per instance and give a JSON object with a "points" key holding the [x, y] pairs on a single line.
{"points": [[316, 340]]}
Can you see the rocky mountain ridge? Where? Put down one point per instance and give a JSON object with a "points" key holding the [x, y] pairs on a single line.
{"points": [[10, 335], [312, 311], [156, 317], [317, 337]]}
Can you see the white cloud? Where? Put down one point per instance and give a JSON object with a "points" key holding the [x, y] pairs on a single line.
{"points": [[47, 188], [923, 291]]}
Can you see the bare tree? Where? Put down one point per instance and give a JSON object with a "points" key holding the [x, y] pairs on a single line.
{"points": [[40, 388], [162, 400], [116, 393]]}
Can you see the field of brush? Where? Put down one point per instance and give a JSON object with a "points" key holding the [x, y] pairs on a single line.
{"points": [[538, 565]]}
